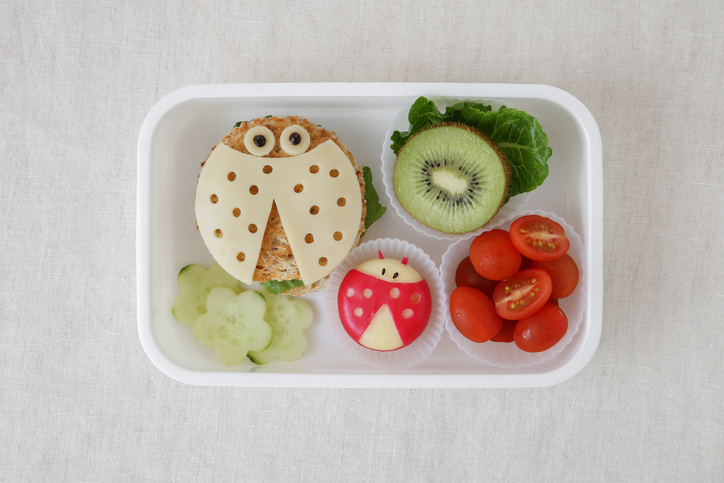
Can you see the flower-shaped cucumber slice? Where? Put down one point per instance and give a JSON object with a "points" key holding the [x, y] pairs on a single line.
{"points": [[195, 282], [234, 324], [289, 318]]}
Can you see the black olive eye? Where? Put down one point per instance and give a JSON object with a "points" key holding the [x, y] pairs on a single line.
{"points": [[259, 141], [395, 275], [295, 138], [383, 271]]}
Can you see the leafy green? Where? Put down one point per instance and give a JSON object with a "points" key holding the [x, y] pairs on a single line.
{"points": [[239, 123], [518, 134], [277, 287], [374, 209]]}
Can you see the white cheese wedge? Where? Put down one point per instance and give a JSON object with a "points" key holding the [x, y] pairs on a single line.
{"points": [[317, 195], [382, 334]]}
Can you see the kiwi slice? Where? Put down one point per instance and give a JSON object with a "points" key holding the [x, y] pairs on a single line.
{"points": [[451, 177]]}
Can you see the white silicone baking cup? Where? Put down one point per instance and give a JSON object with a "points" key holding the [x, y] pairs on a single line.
{"points": [[401, 123], [424, 345], [508, 355]]}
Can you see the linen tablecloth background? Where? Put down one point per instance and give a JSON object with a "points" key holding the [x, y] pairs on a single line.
{"points": [[79, 399]]}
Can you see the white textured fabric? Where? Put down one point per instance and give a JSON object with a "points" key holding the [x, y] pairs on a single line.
{"points": [[79, 399]]}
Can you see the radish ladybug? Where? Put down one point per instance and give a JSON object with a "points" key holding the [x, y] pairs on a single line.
{"points": [[384, 304]]}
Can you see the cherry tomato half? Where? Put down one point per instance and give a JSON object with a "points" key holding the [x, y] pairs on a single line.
{"points": [[564, 275], [494, 256], [506, 332], [542, 330], [473, 313], [466, 276], [522, 294], [539, 238]]}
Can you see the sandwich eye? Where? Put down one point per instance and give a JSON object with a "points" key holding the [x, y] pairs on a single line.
{"points": [[295, 140], [259, 140], [383, 271], [395, 275]]}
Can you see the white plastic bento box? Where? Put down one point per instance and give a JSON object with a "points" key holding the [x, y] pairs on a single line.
{"points": [[181, 129]]}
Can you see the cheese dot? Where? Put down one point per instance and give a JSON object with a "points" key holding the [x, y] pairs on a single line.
{"points": [[323, 261], [415, 298], [341, 202], [214, 199], [349, 293], [231, 176], [314, 210], [314, 169], [218, 233], [254, 189], [267, 169], [407, 313], [252, 228], [357, 312], [240, 256], [394, 292], [237, 212], [298, 188], [334, 173], [337, 235], [367, 293], [309, 238]]}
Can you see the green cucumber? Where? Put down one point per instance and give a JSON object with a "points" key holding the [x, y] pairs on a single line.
{"points": [[234, 324], [195, 282], [288, 318]]}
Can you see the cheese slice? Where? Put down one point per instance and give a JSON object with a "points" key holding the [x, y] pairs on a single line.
{"points": [[382, 334], [317, 195]]}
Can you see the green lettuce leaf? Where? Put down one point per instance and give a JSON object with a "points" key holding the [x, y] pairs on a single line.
{"points": [[276, 287], [374, 209], [518, 134]]}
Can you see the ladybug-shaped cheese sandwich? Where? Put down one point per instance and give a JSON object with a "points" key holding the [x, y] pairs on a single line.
{"points": [[384, 304]]}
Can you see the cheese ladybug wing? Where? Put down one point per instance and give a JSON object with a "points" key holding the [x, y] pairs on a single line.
{"points": [[320, 205], [317, 195], [233, 202]]}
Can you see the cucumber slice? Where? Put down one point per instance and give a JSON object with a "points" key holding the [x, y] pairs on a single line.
{"points": [[289, 318], [234, 324], [195, 282]]}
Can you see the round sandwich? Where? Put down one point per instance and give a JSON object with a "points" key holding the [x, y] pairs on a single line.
{"points": [[281, 201]]}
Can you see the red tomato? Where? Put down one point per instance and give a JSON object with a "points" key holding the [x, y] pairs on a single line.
{"points": [[466, 276], [473, 313], [522, 294], [506, 333], [564, 275], [494, 256], [542, 330], [525, 264], [539, 238]]}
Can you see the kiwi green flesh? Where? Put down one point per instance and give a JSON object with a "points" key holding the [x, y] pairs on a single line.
{"points": [[451, 179]]}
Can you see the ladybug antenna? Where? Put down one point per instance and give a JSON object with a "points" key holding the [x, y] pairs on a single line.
{"points": [[379, 254], [405, 260]]}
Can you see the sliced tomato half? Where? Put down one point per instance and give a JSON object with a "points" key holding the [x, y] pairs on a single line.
{"points": [[522, 294], [539, 238]]}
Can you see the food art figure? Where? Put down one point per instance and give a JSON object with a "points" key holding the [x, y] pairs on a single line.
{"points": [[317, 194], [384, 304]]}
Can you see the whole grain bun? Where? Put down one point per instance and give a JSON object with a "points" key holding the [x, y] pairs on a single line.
{"points": [[276, 261]]}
